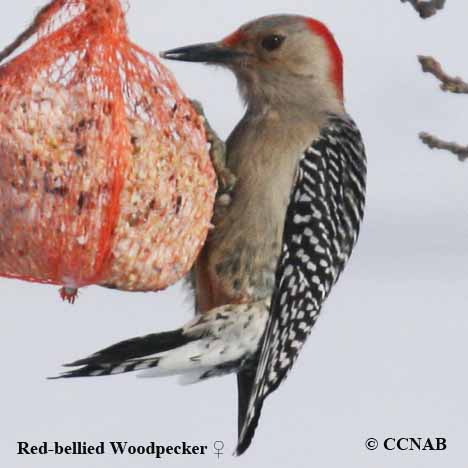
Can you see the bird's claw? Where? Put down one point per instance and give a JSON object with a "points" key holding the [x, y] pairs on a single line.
{"points": [[226, 179]]}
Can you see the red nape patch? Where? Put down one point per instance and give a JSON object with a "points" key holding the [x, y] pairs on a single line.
{"points": [[335, 53], [233, 39]]}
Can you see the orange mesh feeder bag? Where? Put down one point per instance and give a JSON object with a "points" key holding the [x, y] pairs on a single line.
{"points": [[105, 175]]}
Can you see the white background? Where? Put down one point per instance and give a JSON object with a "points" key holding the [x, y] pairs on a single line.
{"points": [[388, 356]]}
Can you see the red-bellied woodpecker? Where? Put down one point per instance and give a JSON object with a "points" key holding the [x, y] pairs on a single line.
{"points": [[293, 219]]}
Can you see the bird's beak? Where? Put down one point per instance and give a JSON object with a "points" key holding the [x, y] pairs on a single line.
{"points": [[213, 52]]}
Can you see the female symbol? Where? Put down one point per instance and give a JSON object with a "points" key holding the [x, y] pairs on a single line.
{"points": [[218, 446]]}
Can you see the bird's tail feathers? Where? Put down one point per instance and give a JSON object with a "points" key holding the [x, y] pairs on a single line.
{"points": [[206, 347]]}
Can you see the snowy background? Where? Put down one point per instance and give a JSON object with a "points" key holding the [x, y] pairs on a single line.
{"points": [[388, 356]]}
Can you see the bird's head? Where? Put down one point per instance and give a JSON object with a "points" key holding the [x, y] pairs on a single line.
{"points": [[278, 60]]}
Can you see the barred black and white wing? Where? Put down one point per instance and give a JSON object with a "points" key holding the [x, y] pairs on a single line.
{"points": [[322, 225]]}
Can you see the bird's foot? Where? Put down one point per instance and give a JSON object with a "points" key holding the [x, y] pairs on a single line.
{"points": [[226, 179]]}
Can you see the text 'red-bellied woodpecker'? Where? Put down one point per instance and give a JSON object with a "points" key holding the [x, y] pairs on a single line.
{"points": [[292, 222]]}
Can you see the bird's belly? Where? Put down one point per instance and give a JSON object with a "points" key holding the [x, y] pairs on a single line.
{"points": [[238, 268], [239, 260]]}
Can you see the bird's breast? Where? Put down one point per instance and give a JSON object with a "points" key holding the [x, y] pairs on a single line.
{"points": [[239, 260]]}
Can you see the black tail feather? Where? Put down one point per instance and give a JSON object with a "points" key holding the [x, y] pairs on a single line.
{"points": [[245, 381], [244, 441], [108, 369], [135, 348], [128, 355]]}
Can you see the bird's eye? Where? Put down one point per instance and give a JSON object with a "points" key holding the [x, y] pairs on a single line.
{"points": [[273, 42]]}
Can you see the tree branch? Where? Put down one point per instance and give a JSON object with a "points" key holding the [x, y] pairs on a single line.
{"points": [[449, 83], [427, 8], [452, 85], [435, 143], [32, 29]]}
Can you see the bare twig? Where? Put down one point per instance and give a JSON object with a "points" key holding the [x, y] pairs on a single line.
{"points": [[427, 8], [435, 143], [37, 22], [449, 83], [453, 85]]}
